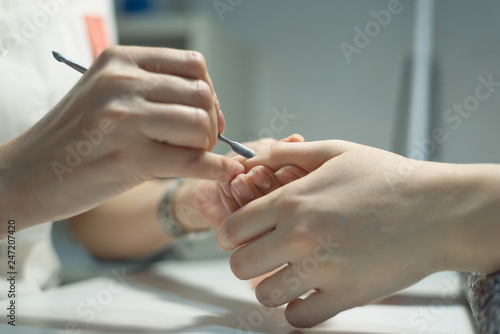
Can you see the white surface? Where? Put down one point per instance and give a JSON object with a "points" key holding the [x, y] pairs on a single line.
{"points": [[204, 297]]}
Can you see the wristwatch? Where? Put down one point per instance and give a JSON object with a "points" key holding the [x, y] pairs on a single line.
{"points": [[166, 210]]}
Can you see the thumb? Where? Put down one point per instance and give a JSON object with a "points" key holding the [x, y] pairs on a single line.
{"points": [[308, 156], [163, 160]]}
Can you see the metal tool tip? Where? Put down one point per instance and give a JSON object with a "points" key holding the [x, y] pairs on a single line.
{"points": [[58, 56], [244, 151]]}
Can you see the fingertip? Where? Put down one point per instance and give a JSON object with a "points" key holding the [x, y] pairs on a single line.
{"points": [[298, 138], [221, 121], [295, 138], [241, 185], [222, 242], [297, 319]]}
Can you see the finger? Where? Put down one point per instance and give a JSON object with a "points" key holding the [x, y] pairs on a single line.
{"points": [[316, 308], [256, 280], [284, 286], [178, 90], [162, 160], [230, 203], [226, 189], [260, 181], [221, 122], [295, 138], [263, 179], [188, 64], [176, 124], [251, 221], [289, 174], [258, 257], [308, 155], [243, 190]]}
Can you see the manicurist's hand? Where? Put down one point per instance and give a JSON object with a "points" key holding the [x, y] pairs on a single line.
{"points": [[363, 224], [137, 114]]}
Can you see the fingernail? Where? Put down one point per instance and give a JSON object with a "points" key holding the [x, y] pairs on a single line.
{"points": [[260, 178], [242, 187], [222, 243], [226, 187]]}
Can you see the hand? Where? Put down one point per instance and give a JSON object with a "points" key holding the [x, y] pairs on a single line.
{"points": [[259, 180], [134, 213], [137, 114], [201, 204], [364, 223]]}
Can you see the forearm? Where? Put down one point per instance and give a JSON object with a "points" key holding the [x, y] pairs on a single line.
{"points": [[15, 202], [126, 226]]}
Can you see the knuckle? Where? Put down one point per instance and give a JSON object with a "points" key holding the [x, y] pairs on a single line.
{"points": [[109, 77], [286, 203], [301, 233], [267, 141], [201, 123], [302, 238], [116, 110], [274, 147], [110, 53], [202, 94], [196, 60], [112, 50]]}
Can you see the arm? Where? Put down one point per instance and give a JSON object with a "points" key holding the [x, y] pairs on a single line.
{"points": [[137, 114], [361, 213], [127, 226]]}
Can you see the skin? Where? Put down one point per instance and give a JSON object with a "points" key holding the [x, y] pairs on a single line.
{"points": [[362, 224], [198, 206], [161, 118]]}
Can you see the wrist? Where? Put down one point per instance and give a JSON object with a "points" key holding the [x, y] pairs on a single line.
{"points": [[474, 245], [12, 198], [450, 201], [186, 210]]}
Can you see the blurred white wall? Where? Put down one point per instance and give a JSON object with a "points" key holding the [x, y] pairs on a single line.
{"points": [[298, 65], [468, 46]]}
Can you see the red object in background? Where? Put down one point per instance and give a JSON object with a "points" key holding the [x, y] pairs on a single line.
{"points": [[98, 36]]}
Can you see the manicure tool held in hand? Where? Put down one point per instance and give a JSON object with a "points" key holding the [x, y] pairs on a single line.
{"points": [[235, 146]]}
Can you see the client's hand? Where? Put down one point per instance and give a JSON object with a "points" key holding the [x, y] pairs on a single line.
{"points": [[364, 223], [259, 180], [199, 204], [203, 203]]}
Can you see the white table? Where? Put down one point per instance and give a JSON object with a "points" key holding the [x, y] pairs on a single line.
{"points": [[204, 297]]}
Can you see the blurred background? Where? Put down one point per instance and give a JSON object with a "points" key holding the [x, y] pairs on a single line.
{"points": [[282, 67]]}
